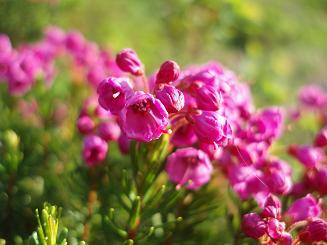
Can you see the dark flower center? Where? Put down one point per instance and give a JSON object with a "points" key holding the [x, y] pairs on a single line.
{"points": [[142, 106]]}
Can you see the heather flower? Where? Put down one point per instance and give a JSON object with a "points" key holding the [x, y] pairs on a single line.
{"points": [[253, 226], [128, 61], [266, 125], [321, 138], [112, 94], [109, 131], [171, 98], [278, 182], [85, 124], [313, 96], [54, 36], [75, 42], [143, 118], [309, 156], [208, 98], [316, 230], [168, 72], [95, 74], [5, 47], [210, 127], [212, 151], [303, 208], [272, 208], [285, 239], [189, 167], [94, 150], [183, 136], [275, 228]]}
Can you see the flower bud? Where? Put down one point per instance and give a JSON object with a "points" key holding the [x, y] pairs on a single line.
{"points": [[272, 208], [321, 138], [309, 156], [210, 127], [190, 167], [171, 98], [208, 98], [168, 72], [94, 150], [316, 230], [303, 208], [278, 182], [85, 124], [253, 226], [128, 61], [109, 131]]}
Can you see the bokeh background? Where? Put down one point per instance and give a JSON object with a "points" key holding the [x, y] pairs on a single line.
{"points": [[274, 45]]}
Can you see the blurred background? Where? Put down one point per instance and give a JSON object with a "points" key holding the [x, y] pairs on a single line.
{"points": [[275, 45]]}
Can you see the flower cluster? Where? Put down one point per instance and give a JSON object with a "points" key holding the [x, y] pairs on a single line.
{"points": [[269, 228], [23, 66]]}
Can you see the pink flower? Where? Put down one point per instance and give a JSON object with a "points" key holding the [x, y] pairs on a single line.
{"points": [[54, 36], [272, 208], [309, 156], [189, 167], [275, 228], [128, 61], [210, 127], [112, 94], [303, 208], [316, 230], [168, 72], [266, 125], [313, 96], [75, 42], [5, 47], [321, 138], [143, 118], [171, 98], [109, 130], [85, 124], [208, 98], [253, 226], [183, 136], [278, 182], [94, 150]]}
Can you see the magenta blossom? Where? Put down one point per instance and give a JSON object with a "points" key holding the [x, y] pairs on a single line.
{"points": [[168, 72], [321, 138], [208, 98], [109, 130], [309, 156], [85, 124], [94, 150], [112, 94], [253, 226], [303, 208], [313, 96], [266, 125], [184, 136], [189, 167], [171, 98], [210, 127], [316, 230], [143, 118], [128, 61]]}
